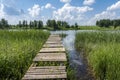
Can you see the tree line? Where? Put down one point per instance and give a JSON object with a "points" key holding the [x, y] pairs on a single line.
{"points": [[4, 24], [37, 24], [107, 23], [56, 25], [32, 24]]}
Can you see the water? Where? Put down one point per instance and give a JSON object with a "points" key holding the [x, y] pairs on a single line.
{"points": [[77, 62]]}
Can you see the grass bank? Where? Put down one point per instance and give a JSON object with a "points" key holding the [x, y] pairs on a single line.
{"points": [[102, 50], [17, 49]]}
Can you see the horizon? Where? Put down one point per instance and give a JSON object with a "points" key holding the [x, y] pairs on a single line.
{"points": [[84, 12]]}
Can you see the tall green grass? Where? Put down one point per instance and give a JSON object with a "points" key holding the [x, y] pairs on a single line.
{"points": [[17, 49], [103, 53]]}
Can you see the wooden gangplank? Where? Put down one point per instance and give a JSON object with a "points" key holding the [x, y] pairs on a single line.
{"points": [[52, 51]]}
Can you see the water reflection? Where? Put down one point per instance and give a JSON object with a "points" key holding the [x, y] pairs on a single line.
{"points": [[76, 61]]}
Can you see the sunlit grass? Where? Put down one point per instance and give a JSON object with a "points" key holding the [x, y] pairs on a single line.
{"points": [[103, 53], [17, 49]]}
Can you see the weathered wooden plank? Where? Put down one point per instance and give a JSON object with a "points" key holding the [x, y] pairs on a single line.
{"points": [[49, 50], [36, 77], [46, 72], [49, 67], [57, 38], [52, 45], [53, 42], [53, 35], [52, 51], [50, 57]]}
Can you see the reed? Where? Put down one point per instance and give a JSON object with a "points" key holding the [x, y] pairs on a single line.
{"points": [[103, 53], [17, 50]]}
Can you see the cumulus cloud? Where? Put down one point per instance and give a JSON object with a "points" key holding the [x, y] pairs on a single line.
{"points": [[35, 10], [1, 10], [88, 2], [114, 6], [49, 6], [112, 12], [65, 1], [102, 15], [8, 10], [71, 13]]}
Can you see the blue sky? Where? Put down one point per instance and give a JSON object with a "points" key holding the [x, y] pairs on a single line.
{"points": [[84, 12]]}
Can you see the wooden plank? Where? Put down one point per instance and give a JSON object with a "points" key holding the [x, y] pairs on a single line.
{"points": [[49, 67], [36, 77], [55, 38], [46, 72], [53, 42], [50, 57], [54, 35], [50, 50], [52, 45]]}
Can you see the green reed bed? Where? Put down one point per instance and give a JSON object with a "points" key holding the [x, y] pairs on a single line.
{"points": [[103, 53], [17, 50]]}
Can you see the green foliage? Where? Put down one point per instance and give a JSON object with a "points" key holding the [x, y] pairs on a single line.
{"points": [[17, 49], [102, 50], [57, 25], [3, 24], [32, 24], [53, 24], [107, 23], [76, 25]]}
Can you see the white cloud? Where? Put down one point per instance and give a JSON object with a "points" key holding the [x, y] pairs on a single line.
{"points": [[65, 1], [48, 6], [114, 6], [1, 10], [103, 15], [11, 14], [112, 12], [35, 10], [88, 2], [71, 13]]}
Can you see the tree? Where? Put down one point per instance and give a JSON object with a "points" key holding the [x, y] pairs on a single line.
{"points": [[31, 24], [40, 24], [65, 24], [116, 23], [4, 24], [35, 24], [24, 23], [1, 25], [48, 23], [59, 23], [20, 24], [54, 25], [104, 23], [76, 25]]}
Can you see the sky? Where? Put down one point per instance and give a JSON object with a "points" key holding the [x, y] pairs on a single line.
{"points": [[83, 12]]}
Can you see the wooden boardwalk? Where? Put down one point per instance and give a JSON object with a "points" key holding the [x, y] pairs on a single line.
{"points": [[52, 51]]}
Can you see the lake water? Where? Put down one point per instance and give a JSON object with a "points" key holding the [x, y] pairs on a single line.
{"points": [[77, 62]]}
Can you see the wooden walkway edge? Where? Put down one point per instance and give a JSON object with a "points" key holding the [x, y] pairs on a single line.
{"points": [[52, 51]]}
